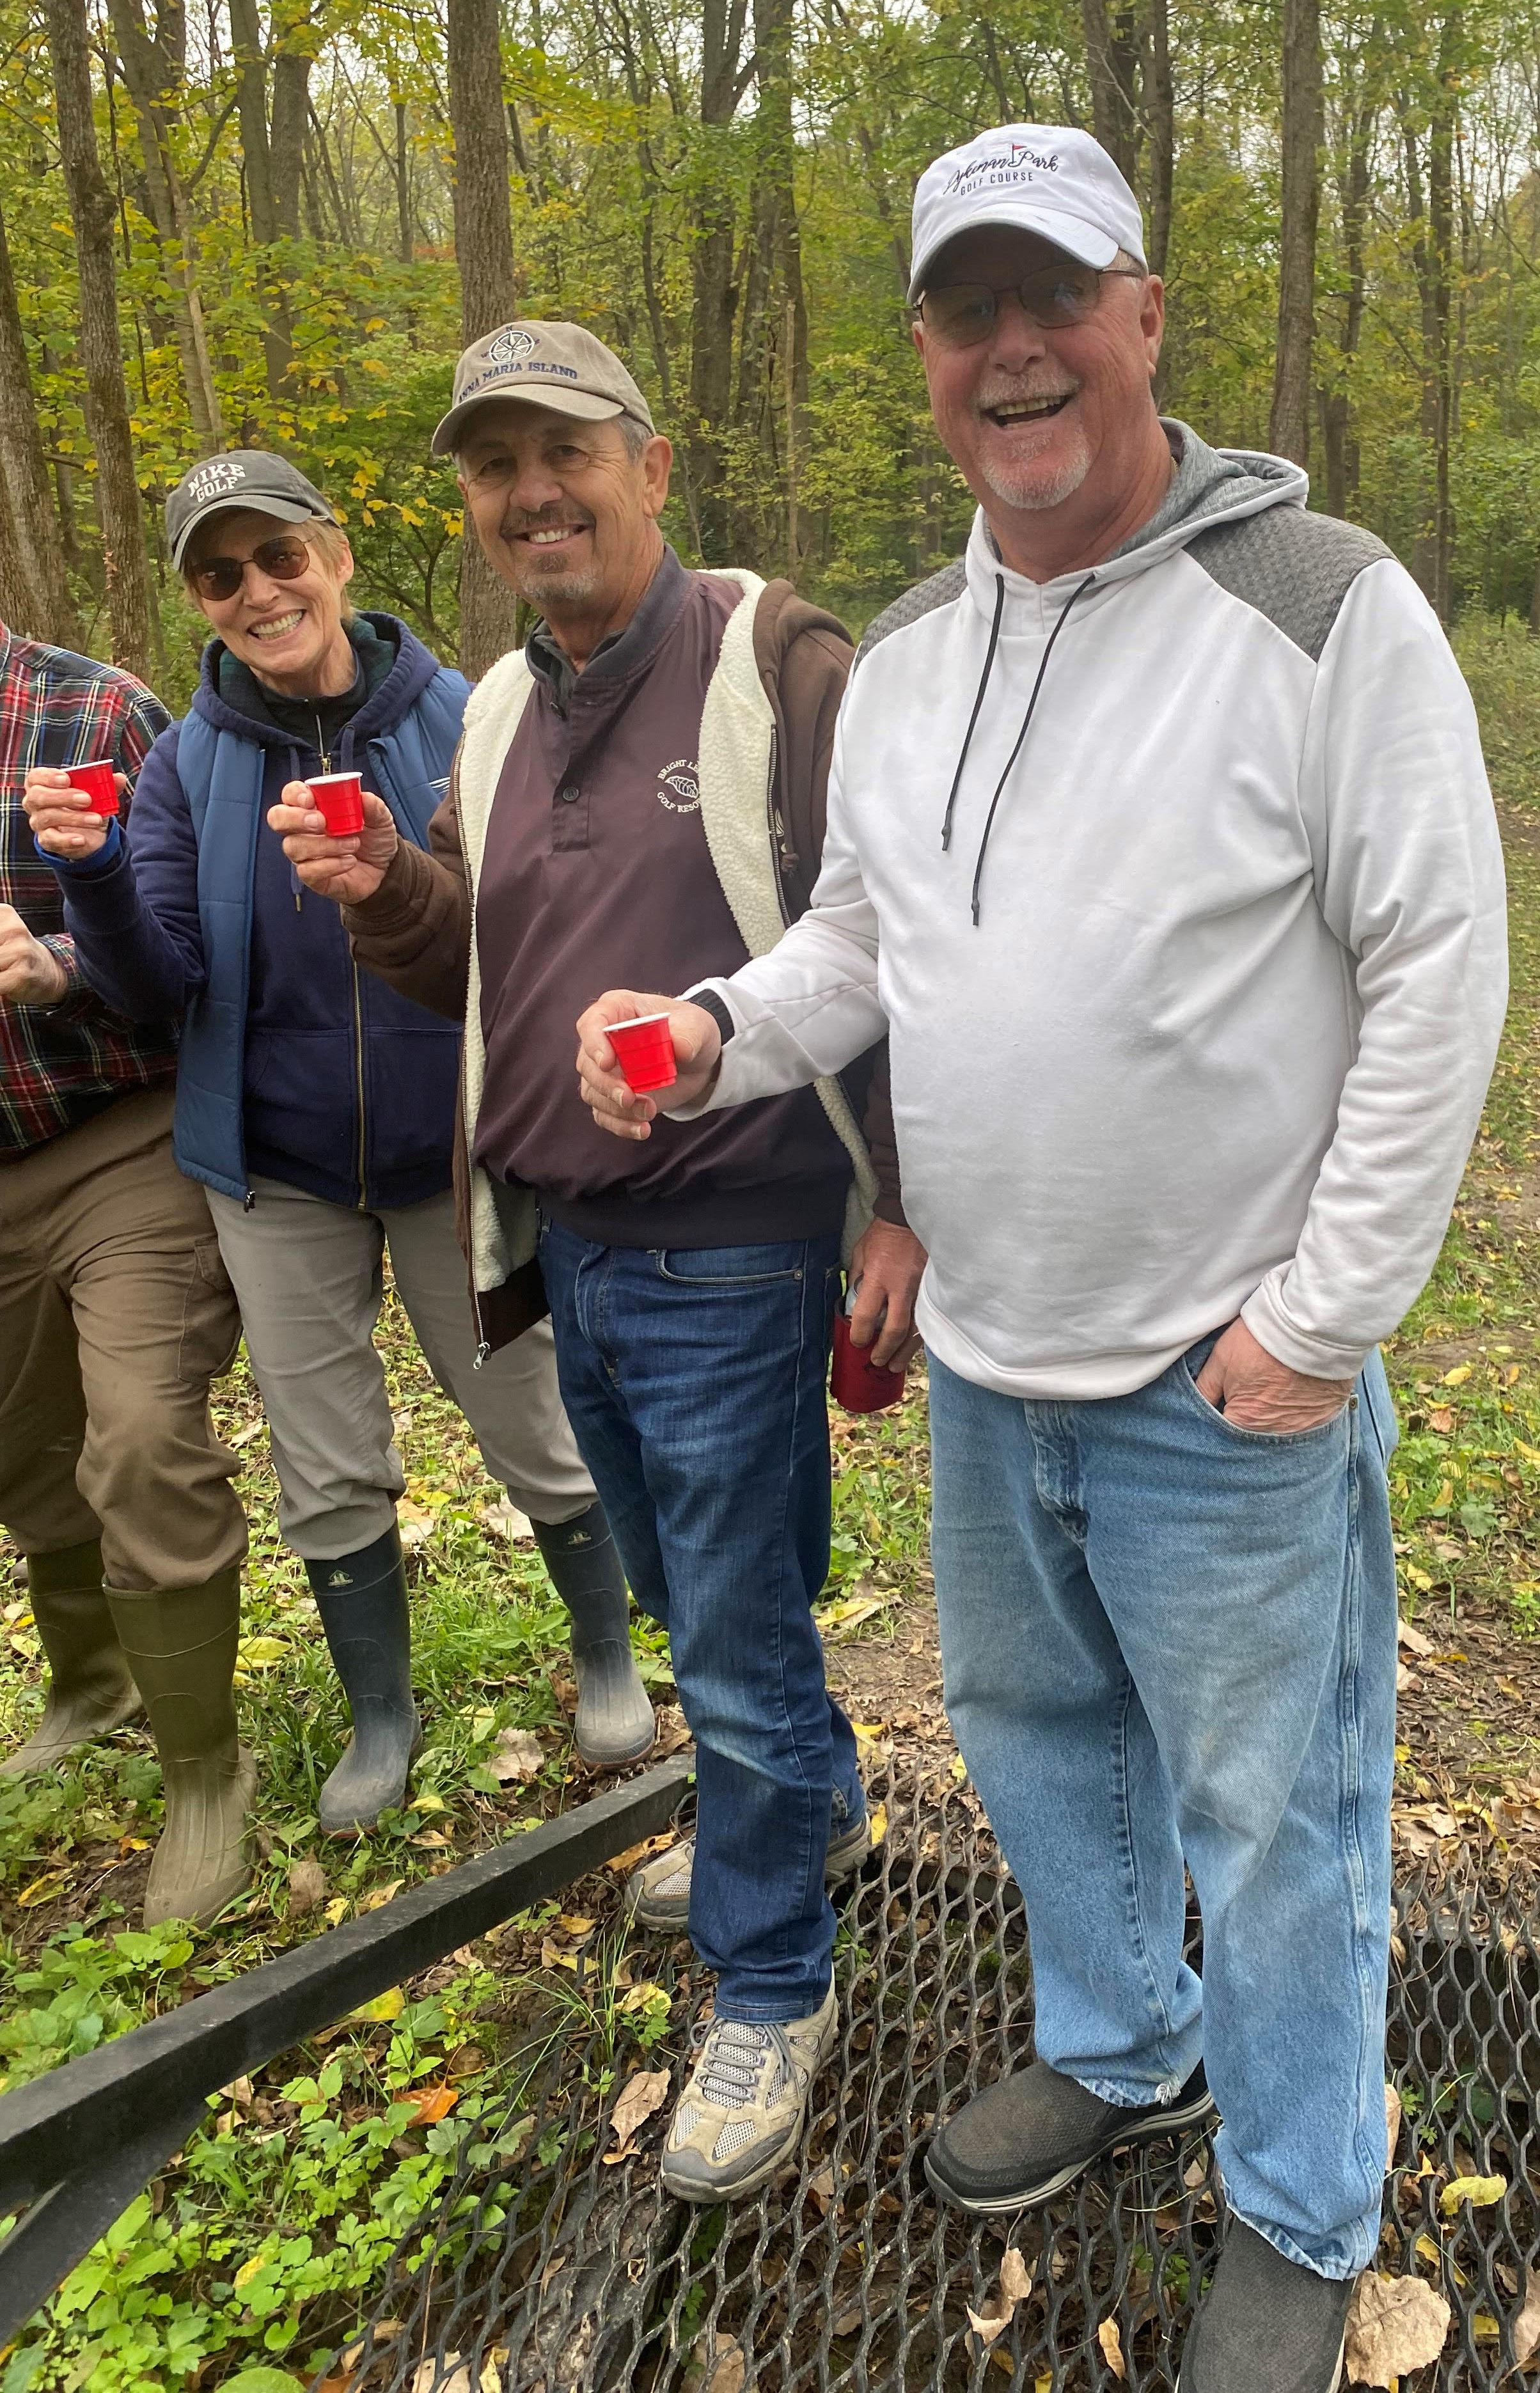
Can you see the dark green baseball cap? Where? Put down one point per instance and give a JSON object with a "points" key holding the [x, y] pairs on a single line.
{"points": [[242, 478]]}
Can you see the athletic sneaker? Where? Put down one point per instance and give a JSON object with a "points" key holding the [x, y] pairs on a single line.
{"points": [[1266, 2324], [658, 1891], [1028, 2136], [745, 2102]]}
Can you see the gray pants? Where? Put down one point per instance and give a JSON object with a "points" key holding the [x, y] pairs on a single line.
{"points": [[310, 1282]]}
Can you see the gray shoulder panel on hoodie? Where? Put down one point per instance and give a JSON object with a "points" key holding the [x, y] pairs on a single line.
{"points": [[937, 590], [1292, 567]]}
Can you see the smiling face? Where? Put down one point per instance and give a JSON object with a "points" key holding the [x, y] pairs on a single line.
{"points": [[567, 512], [1041, 420], [290, 633]]}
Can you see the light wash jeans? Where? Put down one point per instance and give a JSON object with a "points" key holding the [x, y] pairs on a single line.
{"points": [[1167, 1638]]}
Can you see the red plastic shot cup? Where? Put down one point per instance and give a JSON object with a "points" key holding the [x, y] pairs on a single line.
{"points": [[339, 796], [100, 782], [644, 1048], [856, 1382]]}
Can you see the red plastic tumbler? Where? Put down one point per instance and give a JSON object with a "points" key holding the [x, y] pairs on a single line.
{"points": [[644, 1048], [854, 1381], [339, 796], [100, 782]]}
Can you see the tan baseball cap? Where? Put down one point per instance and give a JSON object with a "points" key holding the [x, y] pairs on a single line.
{"points": [[550, 365]]}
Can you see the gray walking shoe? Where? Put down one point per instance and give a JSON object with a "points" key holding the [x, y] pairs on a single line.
{"points": [[1266, 2324], [744, 2107], [615, 1723], [658, 1891], [1032, 2133]]}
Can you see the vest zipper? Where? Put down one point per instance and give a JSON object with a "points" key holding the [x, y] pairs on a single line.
{"points": [[778, 833], [357, 1052]]}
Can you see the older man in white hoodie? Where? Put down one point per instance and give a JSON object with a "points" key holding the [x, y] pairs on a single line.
{"points": [[1159, 841]]}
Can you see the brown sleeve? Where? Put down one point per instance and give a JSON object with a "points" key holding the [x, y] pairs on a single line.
{"points": [[416, 931], [814, 668]]}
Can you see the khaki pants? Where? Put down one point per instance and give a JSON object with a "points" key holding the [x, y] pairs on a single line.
{"points": [[115, 1313], [310, 1280]]}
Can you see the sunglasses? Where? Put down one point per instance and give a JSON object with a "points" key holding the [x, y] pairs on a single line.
{"points": [[959, 315], [284, 559]]}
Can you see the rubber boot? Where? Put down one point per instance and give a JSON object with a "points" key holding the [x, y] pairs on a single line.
{"points": [[615, 1722], [362, 1601], [91, 1689], [180, 1642]]}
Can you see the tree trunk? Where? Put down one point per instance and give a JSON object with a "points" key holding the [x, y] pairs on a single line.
{"points": [[405, 247], [1111, 58], [1341, 449], [1160, 121], [1290, 432], [483, 246], [711, 276], [1430, 215], [37, 600], [152, 71], [91, 213]]}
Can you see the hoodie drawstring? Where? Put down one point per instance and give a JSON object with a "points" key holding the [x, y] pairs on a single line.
{"points": [[967, 735], [1026, 725]]}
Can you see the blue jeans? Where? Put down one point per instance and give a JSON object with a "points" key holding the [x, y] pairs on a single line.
{"points": [[694, 1381], [1166, 1637]]}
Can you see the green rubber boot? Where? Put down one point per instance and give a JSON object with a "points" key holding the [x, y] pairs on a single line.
{"points": [[91, 1689], [180, 1642]]}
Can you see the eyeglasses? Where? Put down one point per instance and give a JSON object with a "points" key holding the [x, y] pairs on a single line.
{"points": [[284, 559], [960, 315]]}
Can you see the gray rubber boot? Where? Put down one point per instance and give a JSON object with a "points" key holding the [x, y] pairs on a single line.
{"points": [[180, 1642], [91, 1689], [615, 1722], [363, 1602]]}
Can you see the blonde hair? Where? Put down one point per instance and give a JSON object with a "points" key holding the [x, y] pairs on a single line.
{"points": [[329, 542]]}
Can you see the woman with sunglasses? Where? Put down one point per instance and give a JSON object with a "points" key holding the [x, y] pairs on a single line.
{"points": [[317, 1106]]}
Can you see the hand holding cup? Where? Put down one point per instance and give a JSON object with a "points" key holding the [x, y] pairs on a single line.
{"points": [[68, 819], [349, 868], [615, 1105]]}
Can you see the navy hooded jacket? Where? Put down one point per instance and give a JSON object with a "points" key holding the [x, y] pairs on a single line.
{"points": [[292, 1063]]}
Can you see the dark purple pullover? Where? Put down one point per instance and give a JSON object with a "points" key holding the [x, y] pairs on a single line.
{"points": [[596, 875]]}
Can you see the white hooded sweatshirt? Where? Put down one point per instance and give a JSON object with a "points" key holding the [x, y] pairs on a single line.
{"points": [[1218, 1041]]}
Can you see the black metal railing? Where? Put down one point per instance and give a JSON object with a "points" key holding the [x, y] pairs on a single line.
{"points": [[77, 2146]]}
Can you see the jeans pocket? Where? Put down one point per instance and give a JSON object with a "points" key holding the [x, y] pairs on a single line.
{"points": [[717, 1267], [1187, 1381]]}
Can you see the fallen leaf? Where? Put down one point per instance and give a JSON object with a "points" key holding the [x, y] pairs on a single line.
{"points": [[434, 2102], [380, 1895], [492, 2368], [1413, 1638], [987, 2324], [505, 1520], [429, 2376], [1526, 2327], [1015, 2275], [1394, 2324], [820, 2189], [572, 1923], [387, 2006], [625, 1863], [336, 1911], [1111, 2341], [414, 1521], [728, 2376], [641, 1997], [1457, 1377], [876, 1820], [260, 1652], [42, 1888], [248, 2269], [306, 1886], [1392, 2123], [1479, 2191], [960, 1768], [643, 2092], [518, 1754], [1441, 1418]]}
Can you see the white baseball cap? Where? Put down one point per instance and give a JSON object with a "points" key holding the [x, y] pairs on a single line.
{"points": [[1050, 179]]}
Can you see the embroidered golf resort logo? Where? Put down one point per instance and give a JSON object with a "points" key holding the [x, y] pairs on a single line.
{"points": [[510, 343], [1016, 163], [679, 787], [212, 481]]}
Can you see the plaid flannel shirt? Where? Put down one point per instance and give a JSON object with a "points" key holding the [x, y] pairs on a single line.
{"points": [[61, 1062]]}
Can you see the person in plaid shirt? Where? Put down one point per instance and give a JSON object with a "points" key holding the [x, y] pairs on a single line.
{"points": [[115, 1313]]}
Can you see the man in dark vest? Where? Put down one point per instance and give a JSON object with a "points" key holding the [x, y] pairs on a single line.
{"points": [[644, 782]]}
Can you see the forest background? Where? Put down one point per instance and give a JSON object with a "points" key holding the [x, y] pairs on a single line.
{"points": [[273, 222]]}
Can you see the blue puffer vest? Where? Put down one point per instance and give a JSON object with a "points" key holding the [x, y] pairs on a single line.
{"points": [[349, 1091]]}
